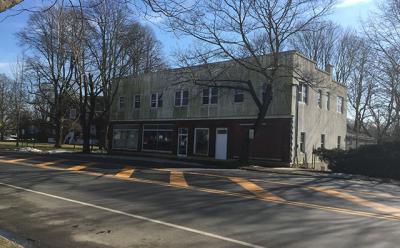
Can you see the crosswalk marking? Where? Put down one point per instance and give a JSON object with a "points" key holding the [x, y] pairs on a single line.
{"points": [[77, 167], [126, 172], [177, 178], [343, 195], [17, 160], [255, 189]]}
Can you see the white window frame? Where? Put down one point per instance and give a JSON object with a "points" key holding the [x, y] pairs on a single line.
{"points": [[328, 101], [302, 145], [210, 89], [195, 141], [319, 99], [187, 144], [158, 94], [119, 103], [135, 100], [181, 98], [302, 93], [340, 107], [237, 92]]}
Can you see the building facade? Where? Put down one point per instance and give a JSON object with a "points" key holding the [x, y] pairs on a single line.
{"points": [[159, 112]]}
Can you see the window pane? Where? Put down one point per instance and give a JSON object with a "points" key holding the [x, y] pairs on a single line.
{"points": [[125, 138], [150, 140], [178, 98], [164, 140], [214, 95], [185, 99], [328, 101], [305, 93], [201, 145], [205, 96], [238, 96], [153, 100], [302, 142], [137, 101], [319, 99], [121, 103], [160, 101]]}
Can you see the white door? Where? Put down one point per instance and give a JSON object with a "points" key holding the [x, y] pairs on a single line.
{"points": [[221, 143]]}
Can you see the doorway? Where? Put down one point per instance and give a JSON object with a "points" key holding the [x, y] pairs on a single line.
{"points": [[182, 141], [221, 143]]}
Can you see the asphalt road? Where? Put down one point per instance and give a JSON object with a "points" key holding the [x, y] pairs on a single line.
{"points": [[58, 202]]}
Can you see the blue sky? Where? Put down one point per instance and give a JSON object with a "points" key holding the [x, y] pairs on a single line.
{"points": [[348, 13]]}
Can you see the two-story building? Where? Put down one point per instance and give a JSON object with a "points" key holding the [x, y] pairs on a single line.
{"points": [[155, 113]]}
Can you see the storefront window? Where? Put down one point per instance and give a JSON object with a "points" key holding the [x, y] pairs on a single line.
{"points": [[201, 141], [157, 137], [125, 138]]}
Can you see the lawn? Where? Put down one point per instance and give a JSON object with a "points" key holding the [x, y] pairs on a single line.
{"points": [[41, 146]]}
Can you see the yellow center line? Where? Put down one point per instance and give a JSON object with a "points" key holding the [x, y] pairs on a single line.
{"points": [[177, 178], [255, 189], [377, 206], [126, 172]]}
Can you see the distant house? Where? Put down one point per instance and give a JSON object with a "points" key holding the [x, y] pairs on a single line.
{"points": [[156, 114]]}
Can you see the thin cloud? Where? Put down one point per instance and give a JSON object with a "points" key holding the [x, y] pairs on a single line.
{"points": [[349, 3]]}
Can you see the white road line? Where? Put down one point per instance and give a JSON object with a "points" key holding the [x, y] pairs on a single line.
{"points": [[188, 229]]}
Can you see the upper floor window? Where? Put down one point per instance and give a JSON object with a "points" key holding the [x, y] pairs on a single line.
{"points": [[181, 98], [328, 101], [137, 101], [322, 140], [121, 103], [339, 142], [156, 100], [303, 142], [210, 95], [339, 105], [319, 98], [302, 93], [238, 95]]}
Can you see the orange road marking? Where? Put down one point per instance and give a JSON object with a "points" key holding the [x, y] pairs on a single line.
{"points": [[77, 168], [227, 193], [377, 206], [255, 189], [126, 172], [17, 160], [177, 178]]}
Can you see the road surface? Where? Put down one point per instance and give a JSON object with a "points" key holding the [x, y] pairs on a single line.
{"points": [[74, 202]]}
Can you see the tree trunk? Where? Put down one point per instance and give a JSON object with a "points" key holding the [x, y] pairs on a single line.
{"points": [[245, 154], [86, 138], [59, 134]]}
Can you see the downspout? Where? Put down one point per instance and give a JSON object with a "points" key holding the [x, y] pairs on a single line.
{"points": [[296, 129]]}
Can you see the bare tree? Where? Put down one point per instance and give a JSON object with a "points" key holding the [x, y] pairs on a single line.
{"points": [[50, 64], [383, 34], [318, 42], [6, 111], [243, 32]]}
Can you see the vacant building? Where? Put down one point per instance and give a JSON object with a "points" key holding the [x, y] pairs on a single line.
{"points": [[160, 113]]}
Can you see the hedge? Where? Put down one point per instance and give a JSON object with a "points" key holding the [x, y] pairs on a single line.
{"points": [[381, 160]]}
